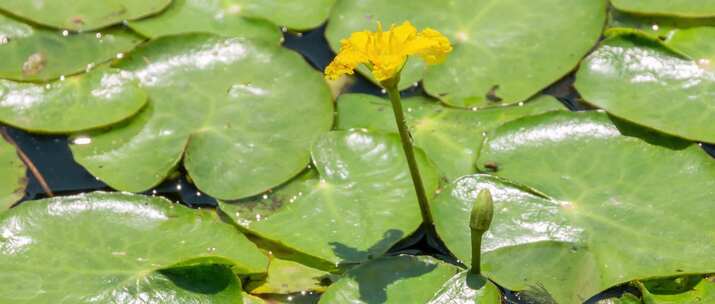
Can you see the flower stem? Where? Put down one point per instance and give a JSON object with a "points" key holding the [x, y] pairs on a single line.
{"points": [[406, 139]]}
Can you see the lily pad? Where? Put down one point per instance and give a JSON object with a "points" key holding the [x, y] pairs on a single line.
{"points": [[493, 61], [37, 54], [242, 114], [597, 184], [466, 288], [703, 292], [108, 247], [642, 81], [450, 137], [235, 18], [680, 8], [397, 279], [362, 203], [82, 15], [96, 99], [285, 277], [12, 176]]}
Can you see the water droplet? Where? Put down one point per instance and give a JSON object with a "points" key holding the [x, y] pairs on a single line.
{"points": [[211, 249], [153, 192], [655, 27], [265, 196], [82, 140], [383, 91], [521, 104], [65, 33], [290, 298], [98, 35], [62, 78], [198, 193], [258, 217], [120, 55], [284, 29], [89, 67], [48, 86], [303, 292], [270, 252], [416, 84], [178, 187], [4, 39], [475, 108]]}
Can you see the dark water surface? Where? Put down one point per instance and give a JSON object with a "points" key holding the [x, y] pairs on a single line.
{"points": [[53, 159]]}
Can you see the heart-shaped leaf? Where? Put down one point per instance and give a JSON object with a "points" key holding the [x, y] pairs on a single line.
{"points": [[236, 18], [98, 98], [38, 54], [362, 203], [600, 183], [450, 137], [494, 61], [642, 81], [242, 114], [107, 247], [82, 15], [396, 279], [12, 176], [680, 8]]}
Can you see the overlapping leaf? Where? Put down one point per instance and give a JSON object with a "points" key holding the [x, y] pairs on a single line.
{"points": [[642, 81], [505, 51], [37, 54], [113, 247], [242, 115], [600, 183], [254, 19], [450, 137], [12, 175], [96, 99], [680, 8], [361, 204], [82, 15]]}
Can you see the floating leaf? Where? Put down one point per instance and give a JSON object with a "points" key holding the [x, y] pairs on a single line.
{"points": [[82, 15], [600, 183], [450, 137], [466, 288], [362, 204], [37, 54], [228, 106], [236, 18], [397, 279], [680, 8], [285, 277], [108, 247], [703, 292], [12, 176], [642, 81], [493, 61], [98, 98]]}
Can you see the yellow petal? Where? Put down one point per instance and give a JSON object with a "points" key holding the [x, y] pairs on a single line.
{"points": [[430, 45]]}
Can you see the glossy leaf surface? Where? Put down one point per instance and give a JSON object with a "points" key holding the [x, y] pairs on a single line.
{"points": [[681, 8], [595, 186], [467, 288], [241, 114], [494, 60], [108, 247]]}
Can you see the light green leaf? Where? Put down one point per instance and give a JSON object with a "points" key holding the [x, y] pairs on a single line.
{"points": [[37, 54], [243, 18], [703, 292], [493, 59], [450, 137], [286, 277], [96, 99], [642, 81], [362, 203], [597, 183], [242, 115], [107, 247], [680, 8], [12, 175], [397, 279], [82, 15]]}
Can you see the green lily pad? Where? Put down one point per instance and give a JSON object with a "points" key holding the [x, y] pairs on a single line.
{"points": [[285, 277], [397, 279], [12, 175], [450, 137], [82, 15], [466, 288], [107, 247], [703, 292], [362, 204], [598, 183], [626, 298], [37, 54], [226, 105], [644, 82], [680, 8], [250, 19], [98, 98], [493, 61]]}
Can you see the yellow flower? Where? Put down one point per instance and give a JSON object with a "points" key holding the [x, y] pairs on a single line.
{"points": [[385, 53]]}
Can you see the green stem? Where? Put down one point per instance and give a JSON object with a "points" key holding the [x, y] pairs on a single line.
{"points": [[477, 252], [406, 139]]}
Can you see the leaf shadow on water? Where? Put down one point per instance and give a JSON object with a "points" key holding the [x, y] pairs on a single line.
{"points": [[373, 278]]}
